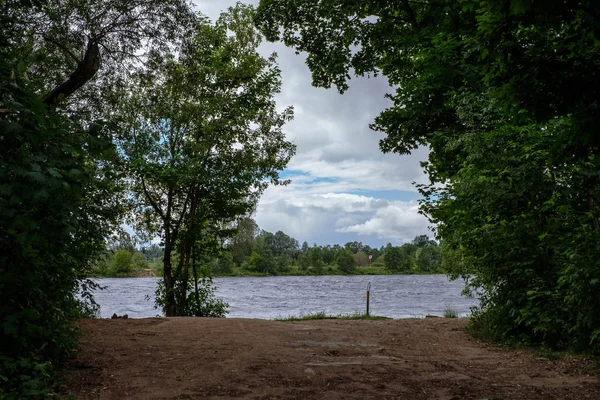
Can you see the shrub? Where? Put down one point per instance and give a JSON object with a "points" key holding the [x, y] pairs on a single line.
{"points": [[345, 261], [200, 303], [122, 262]]}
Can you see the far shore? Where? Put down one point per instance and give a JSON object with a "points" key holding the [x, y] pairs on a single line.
{"points": [[238, 272]]}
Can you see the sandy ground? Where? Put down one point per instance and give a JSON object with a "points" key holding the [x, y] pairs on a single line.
{"points": [[197, 358]]}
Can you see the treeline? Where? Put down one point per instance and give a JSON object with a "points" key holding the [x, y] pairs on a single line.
{"points": [[259, 251], [252, 251]]}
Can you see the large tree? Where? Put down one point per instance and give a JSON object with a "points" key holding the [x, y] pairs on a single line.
{"points": [[203, 140], [505, 94], [59, 193]]}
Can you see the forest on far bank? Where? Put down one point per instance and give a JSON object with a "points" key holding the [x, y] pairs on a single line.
{"points": [[256, 252]]}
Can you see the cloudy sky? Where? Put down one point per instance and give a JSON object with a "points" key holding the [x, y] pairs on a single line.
{"points": [[343, 188]]}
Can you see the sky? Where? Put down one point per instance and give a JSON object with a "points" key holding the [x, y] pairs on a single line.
{"points": [[343, 188]]}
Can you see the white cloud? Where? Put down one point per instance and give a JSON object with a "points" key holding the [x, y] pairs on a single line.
{"points": [[329, 218], [398, 222]]}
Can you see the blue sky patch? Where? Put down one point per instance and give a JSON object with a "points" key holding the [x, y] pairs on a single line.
{"points": [[390, 195]]}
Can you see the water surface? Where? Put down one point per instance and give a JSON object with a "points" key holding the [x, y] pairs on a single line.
{"points": [[395, 296]]}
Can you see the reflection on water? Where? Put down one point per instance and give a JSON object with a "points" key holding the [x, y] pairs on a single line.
{"points": [[396, 296]]}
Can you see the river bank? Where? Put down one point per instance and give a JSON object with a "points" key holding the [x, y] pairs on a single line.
{"points": [[193, 358], [155, 270]]}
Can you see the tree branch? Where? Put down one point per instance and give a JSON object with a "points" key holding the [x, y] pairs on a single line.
{"points": [[151, 201], [86, 69], [411, 15], [62, 47]]}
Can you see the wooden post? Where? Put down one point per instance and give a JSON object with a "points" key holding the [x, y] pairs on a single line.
{"points": [[368, 297]]}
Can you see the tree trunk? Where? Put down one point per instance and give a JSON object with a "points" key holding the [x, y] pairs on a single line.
{"points": [[186, 250], [86, 69], [170, 310]]}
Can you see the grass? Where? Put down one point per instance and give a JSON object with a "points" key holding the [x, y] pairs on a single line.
{"points": [[450, 313], [322, 315]]}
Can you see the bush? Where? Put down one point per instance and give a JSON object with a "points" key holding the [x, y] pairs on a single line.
{"points": [[345, 261], [103, 265], [52, 221], [222, 265], [122, 262], [138, 261], [202, 303], [361, 259]]}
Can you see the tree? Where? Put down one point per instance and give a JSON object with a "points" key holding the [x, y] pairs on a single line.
{"points": [[242, 242], [122, 241], [60, 194], [222, 265], [315, 259], [328, 254], [203, 141], [345, 261], [361, 259], [423, 240], [122, 262], [429, 258], [281, 244], [304, 248], [396, 259], [56, 207], [410, 249], [153, 253], [262, 258], [355, 246], [505, 96]]}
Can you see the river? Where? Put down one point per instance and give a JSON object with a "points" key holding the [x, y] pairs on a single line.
{"points": [[395, 296]]}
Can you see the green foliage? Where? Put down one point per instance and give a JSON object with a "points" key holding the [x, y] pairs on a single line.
{"points": [[103, 264], [56, 205], [60, 192], [139, 261], [361, 259], [326, 260], [201, 299], [122, 262], [541, 287], [345, 261], [396, 259], [241, 243], [421, 241], [222, 265], [153, 253], [450, 313], [429, 258], [262, 259], [118, 264]]}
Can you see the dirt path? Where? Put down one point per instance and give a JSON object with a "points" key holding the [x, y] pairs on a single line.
{"points": [[193, 358]]}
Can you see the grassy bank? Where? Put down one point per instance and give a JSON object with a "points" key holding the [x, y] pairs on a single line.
{"points": [[156, 269], [322, 315]]}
